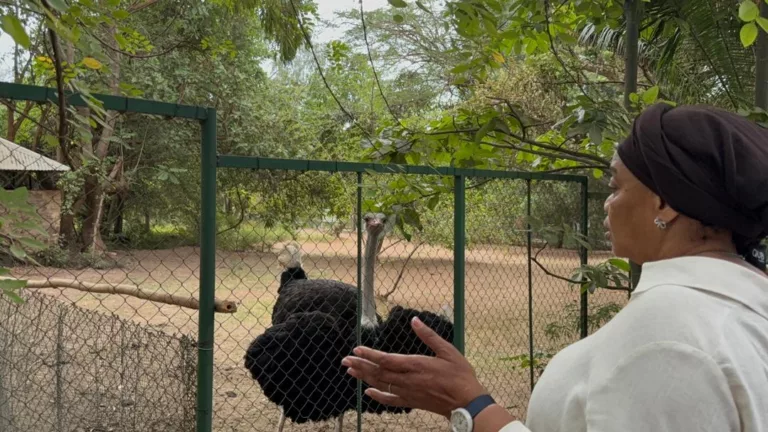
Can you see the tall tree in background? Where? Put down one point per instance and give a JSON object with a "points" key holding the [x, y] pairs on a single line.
{"points": [[632, 19]]}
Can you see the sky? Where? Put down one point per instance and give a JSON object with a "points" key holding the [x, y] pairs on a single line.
{"points": [[326, 10]]}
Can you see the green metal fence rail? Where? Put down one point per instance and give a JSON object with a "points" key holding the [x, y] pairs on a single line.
{"points": [[496, 339]]}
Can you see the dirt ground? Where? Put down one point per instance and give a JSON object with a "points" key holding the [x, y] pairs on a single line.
{"points": [[497, 312]]}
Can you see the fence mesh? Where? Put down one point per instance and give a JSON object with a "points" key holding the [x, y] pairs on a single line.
{"points": [[103, 338], [66, 368], [85, 346]]}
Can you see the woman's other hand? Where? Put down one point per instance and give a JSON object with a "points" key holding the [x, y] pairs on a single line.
{"points": [[437, 384]]}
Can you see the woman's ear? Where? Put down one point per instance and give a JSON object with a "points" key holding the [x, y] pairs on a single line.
{"points": [[665, 212]]}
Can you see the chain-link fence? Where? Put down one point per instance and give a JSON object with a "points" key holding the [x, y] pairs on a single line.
{"points": [[99, 265], [519, 303], [307, 258], [65, 368]]}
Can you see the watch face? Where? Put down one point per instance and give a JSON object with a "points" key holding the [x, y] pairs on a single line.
{"points": [[461, 421]]}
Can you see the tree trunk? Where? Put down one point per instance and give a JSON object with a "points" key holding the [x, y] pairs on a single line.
{"points": [[632, 16], [94, 204], [147, 225], [95, 194], [10, 135], [119, 209], [761, 64]]}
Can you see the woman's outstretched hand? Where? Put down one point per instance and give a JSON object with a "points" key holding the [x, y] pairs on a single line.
{"points": [[437, 384]]}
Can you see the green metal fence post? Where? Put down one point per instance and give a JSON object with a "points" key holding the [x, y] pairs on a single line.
{"points": [[459, 233], [207, 275], [359, 292], [529, 241], [583, 255]]}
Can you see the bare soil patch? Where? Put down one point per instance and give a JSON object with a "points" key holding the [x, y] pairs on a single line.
{"points": [[497, 306]]}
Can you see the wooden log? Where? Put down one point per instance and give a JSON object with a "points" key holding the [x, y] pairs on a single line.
{"points": [[220, 306]]}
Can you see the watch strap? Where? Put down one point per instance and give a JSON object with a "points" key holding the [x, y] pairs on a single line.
{"points": [[479, 404]]}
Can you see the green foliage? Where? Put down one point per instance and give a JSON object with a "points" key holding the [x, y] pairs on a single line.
{"points": [[611, 274], [12, 25], [568, 328], [749, 13], [562, 332], [21, 234], [58, 257], [748, 34], [524, 362]]}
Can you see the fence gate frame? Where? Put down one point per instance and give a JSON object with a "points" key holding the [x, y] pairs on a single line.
{"points": [[459, 175], [211, 161]]}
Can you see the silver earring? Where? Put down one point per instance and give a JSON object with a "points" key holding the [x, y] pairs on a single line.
{"points": [[660, 224]]}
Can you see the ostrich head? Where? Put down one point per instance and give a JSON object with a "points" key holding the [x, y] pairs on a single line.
{"points": [[375, 225]]}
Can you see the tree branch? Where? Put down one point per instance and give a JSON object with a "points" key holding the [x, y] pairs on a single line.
{"points": [[575, 156], [557, 55], [28, 117], [535, 260], [373, 68], [242, 214], [402, 271], [221, 306], [62, 100], [322, 75], [136, 56], [139, 6], [393, 244]]}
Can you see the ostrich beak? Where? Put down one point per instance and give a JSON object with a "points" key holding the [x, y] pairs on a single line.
{"points": [[374, 223]]}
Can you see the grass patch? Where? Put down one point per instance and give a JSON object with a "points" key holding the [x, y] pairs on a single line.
{"points": [[251, 235], [246, 236], [162, 236]]}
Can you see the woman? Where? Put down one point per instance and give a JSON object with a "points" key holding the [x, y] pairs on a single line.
{"points": [[689, 352]]}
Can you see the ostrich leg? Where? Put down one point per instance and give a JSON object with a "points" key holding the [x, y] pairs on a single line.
{"points": [[281, 423], [339, 423]]}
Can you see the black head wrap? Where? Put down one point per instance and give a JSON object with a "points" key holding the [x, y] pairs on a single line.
{"points": [[708, 164]]}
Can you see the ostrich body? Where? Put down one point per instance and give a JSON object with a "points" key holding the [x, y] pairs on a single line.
{"points": [[297, 361]]}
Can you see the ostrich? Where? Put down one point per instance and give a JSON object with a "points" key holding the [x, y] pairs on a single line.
{"points": [[297, 361]]}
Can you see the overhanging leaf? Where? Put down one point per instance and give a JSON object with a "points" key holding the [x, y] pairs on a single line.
{"points": [[13, 296], [398, 3], [18, 252], [432, 203], [485, 130], [763, 23], [748, 11], [748, 34], [619, 264], [422, 7], [14, 28], [92, 63], [596, 134], [650, 95], [121, 14], [12, 284], [32, 243], [59, 5]]}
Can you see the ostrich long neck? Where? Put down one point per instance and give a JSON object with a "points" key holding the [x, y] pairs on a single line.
{"points": [[369, 297]]}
